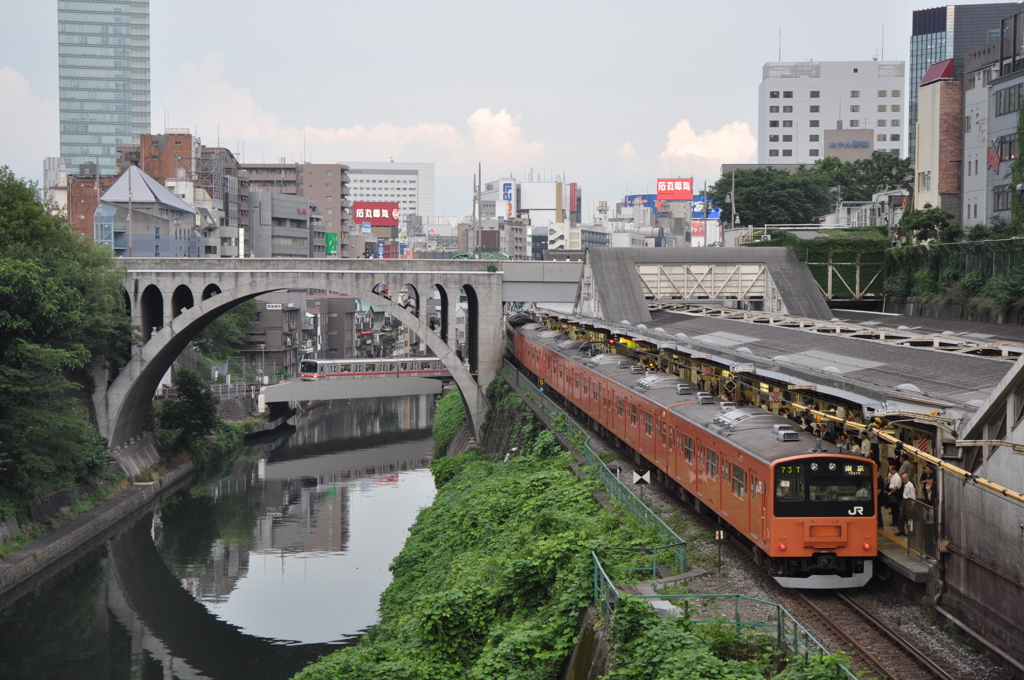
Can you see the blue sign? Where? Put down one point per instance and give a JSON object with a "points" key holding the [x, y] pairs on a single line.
{"points": [[642, 200], [367, 228], [506, 191], [714, 210], [855, 143], [380, 250]]}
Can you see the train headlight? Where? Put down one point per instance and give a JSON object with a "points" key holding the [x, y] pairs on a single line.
{"points": [[782, 547], [867, 546], [814, 466], [831, 466]]}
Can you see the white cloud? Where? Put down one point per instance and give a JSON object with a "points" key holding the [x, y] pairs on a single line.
{"points": [[498, 138], [687, 151], [627, 151], [29, 126], [204, 95]]}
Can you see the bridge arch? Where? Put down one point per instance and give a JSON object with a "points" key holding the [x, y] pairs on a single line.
{"points": [[152, 310], [123, 409], [181, 300], [210, 291]]}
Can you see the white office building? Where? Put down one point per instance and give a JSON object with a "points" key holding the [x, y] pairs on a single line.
{"points": [[411, 185], [811, 109]]}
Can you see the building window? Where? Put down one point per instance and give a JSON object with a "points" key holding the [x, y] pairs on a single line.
{"points": [[813, 138], [881, 108], [854, 123], [895, 108], [774, 94], [854, 94], [773, 123], [924, 181], [880, 138], [787, 152], [895, 93], [787, 109], [787, 138], [329, 173], [787, 123], [1001, 198], [1008, 100], [815, 94], [788, 94], [815, 108], [894, 138], [812, 152], [329, 185], [854, 108], [813, 123], [882, 93], [881, 122], [773, 109], [1007, 146], [773, 152], [895, 122], [773, 138]]}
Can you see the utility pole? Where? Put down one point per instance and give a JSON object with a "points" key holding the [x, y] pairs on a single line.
{"points": [[130, 234]]}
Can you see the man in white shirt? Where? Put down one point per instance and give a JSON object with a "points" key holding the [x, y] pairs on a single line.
{"points": [[909, 496]]}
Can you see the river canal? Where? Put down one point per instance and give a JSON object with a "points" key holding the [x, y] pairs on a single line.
{"points": [[249, 576]]}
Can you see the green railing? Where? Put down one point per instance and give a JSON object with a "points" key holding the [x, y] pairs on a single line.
{"points": [[772, 619], [612, 486]]}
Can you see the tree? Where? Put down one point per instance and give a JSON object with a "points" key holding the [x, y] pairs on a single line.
{"points": [[218, 340], [773, 196], [62, 310], [1016, 179], [192, 414], [926, 224]]}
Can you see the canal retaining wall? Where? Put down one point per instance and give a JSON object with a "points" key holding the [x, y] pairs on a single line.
{"points": [[40, 560], [589, 660]]}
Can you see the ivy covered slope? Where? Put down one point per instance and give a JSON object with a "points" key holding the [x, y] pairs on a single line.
{"points": [[493, 579], [448, 417]]}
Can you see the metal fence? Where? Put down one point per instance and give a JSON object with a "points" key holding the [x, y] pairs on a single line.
{"points": [[748, 615], [612, 486]]}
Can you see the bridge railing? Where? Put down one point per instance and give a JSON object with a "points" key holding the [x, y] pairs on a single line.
{"points": [[613, 487]]}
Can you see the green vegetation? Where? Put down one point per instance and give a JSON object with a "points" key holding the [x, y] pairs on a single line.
{"points": [[217, 342], [62, 311], [843, 247], [652, 648], [449, 415], [986, 273], [773, 196], [191, 415], [930, 224], [493, 579]]}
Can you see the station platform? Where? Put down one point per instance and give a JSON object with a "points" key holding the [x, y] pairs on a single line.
{"points": [[894, 552]]}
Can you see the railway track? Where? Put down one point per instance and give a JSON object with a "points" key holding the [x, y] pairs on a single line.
{"points": [[874, 647]]}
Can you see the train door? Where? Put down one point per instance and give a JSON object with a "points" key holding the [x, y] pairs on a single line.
{"points": [[713, 472], [700, 481], [758, 507], [671, 463]]}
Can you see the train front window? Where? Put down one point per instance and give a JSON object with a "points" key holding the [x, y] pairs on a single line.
{"points": [[307, 367], [789, 489], [839, 489]]}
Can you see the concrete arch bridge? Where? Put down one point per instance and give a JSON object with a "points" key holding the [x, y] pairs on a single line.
{"points": [[173, 300]]}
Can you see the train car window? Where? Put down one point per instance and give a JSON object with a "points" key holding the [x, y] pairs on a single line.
{"points": [[738, 481], [622, 403], [688, 450], [348, 368], [712, 463], [597, 391], [649, 424], [670, 438], [632, 414], [405, 366], [663, 433], [791, 489], [577, 383], [586, 386]]}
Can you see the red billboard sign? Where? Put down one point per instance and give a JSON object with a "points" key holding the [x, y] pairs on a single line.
{"points": [[675, 189], [378, 214]]}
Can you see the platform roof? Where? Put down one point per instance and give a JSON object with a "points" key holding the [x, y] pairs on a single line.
{"points": [[617, 284]]}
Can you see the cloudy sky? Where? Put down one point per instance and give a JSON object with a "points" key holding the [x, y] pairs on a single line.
{"points": [[609, 94]]}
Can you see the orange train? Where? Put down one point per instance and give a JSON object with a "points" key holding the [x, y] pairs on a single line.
{"points": [[809, 513]]}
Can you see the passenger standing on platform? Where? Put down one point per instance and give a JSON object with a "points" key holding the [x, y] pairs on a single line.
{"points": [[904, 464], [865, 447], [909, 496], [895, 499], [843, 444]]}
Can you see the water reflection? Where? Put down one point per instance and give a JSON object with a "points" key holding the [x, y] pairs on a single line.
{"points": [[252, 576]]}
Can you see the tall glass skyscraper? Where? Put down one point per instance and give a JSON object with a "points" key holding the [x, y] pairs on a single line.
{"points": [[104, 79], [947, 33]]}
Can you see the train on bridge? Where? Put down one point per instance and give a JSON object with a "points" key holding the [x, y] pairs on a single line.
{"points": [[408, 367], [808, 511]]}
